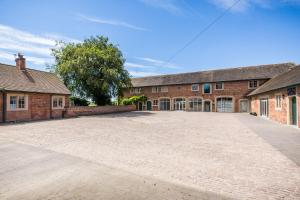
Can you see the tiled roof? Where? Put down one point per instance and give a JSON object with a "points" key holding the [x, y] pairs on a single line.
{"points": [[290, 78], [232, 74], [13, 79]]}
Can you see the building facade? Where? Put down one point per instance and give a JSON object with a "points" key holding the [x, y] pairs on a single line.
{"points": [[223, 90], [27, 94], [279, 98]]}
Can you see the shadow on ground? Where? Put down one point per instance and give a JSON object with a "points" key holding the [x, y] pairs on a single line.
{"points": [[284, 138], [28, 172]]}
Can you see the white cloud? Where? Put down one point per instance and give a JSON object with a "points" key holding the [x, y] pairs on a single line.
{"points": [[36, 48], [136, 65], [158, 63], [111, 22]]}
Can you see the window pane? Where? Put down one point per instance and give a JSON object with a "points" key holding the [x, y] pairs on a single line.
{"points": [[195, 87], [55, 103], [206, 88], [13, 102], [21, 102], [60, 102], [219, 85]]}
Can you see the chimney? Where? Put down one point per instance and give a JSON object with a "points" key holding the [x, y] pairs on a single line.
{"points": [[21, 62]]}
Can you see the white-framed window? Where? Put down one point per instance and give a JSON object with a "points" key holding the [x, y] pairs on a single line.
{"points": [[155, 102], [253, 84], [195, 87], [219, 86], [278, 101], [58, 102], [135, 90], [16, 102], [162, 89], [206, 88]]}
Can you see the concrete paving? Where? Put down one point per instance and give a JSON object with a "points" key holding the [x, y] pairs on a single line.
{"points": [[155, 155]]}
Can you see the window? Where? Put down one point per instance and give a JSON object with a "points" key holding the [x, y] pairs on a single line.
{"points": [[155, 102], [278, 102], [163, 89], [13, 102], [135, 90], [195, 87], [164, 104], [219, 86], [17, 102], [58, 102], [253, 84], [195, 104], [207, 88]]}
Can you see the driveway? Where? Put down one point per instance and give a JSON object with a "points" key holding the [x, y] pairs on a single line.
{"points": [[150, 155]]}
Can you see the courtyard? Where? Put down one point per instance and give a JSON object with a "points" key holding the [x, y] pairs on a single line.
{"points": [[150, 155]]}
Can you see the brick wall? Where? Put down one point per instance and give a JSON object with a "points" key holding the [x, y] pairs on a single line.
{"points": [[298, 106], [235, 89], [1, 107], [39, 108], [87, 110], [281, 115]]}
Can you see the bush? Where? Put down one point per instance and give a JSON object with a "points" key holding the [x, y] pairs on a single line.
{"points": [[133, 100], [77, 101]]}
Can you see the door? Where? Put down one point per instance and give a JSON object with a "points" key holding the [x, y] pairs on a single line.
{"points": [[140, 106], [294, 111], [244, 106], [224, 104], [264, 107], [207, 106], [179, 104], [164, 104], [149, 105]]}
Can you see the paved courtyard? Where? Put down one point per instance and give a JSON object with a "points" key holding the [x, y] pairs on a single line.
{"points": [[150, 155]]}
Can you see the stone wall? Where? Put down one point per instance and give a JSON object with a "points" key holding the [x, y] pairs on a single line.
{"points": [[89, 110]]}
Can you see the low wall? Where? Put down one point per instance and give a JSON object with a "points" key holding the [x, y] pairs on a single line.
{"points": [[88, 110]]}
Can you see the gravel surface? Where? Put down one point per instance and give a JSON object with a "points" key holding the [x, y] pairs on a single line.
{"points": [[212, 155]]}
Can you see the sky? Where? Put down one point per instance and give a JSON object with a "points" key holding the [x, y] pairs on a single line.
{"points": [[152, 33]]}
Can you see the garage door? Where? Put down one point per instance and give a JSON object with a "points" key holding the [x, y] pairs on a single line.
{"points": [[224, 104]]}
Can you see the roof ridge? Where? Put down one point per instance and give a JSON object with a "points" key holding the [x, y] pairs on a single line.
{"points": [[222, 69], [8, 65]]}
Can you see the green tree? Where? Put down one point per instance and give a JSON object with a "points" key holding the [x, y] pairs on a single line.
{"points": [[93, 69]]}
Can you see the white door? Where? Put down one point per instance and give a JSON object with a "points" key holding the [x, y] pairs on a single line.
{"points": [[224, 104], [264, 107]]}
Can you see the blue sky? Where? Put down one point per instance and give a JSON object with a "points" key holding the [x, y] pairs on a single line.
{"points": [[149, 32]]}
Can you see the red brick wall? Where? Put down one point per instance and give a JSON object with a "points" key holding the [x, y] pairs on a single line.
{"points": [[87, 110], [236, 89], [1, 107], [298, 97], [280, 116], [39, 108]]}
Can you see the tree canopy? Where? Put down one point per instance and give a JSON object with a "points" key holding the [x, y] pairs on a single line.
{"points": [[93, 69]]}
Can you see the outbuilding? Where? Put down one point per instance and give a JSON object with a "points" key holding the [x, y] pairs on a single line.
{"points": [[28, 94]]}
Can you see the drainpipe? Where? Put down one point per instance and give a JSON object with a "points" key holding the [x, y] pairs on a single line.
{"points": [[50, 106], [3, 105]]}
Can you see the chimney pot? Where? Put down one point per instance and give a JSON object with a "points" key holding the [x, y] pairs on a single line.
{"points": [[21, 62]]}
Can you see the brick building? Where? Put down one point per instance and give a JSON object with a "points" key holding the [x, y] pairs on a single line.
{"points": [[27, 94], [224, 90], [279, 98]]}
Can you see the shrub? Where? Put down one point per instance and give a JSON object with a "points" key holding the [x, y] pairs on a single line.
{"points": [[133, 100], [77, 101]]}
